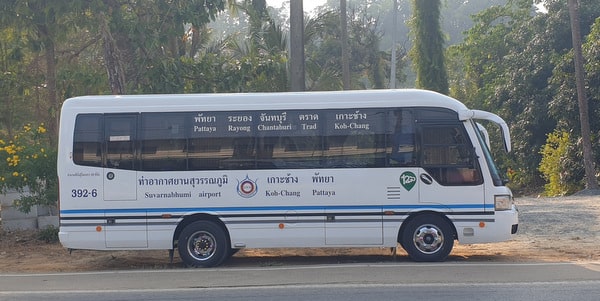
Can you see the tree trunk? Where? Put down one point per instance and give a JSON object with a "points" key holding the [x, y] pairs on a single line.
{"points": [[50, 58], [588, 157], [394, 41], [345, 54], [296, 45], [112, 60]]}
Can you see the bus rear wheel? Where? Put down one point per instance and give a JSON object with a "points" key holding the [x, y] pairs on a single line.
{"points": [[203, 244], [428, 237]]}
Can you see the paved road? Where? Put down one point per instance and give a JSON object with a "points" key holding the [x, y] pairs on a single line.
{"points": [[453, 281], [456, 292]]}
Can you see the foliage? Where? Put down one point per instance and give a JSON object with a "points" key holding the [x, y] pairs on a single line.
{"points": [[513, 61], [251, 62], [17, 72], [427, 52], [564, 105], [507, 64], [28, 165], [249, 73], [154, 36], [369, 66], [552, 166], [48, 234]]}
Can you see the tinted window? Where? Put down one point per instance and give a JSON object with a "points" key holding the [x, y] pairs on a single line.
{"points": [[282, 139], [163, 141], [448, 156], [87, 140], [402, 129]]}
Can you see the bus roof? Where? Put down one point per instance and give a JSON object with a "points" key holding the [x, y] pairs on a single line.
{"points": [[258, 101]]}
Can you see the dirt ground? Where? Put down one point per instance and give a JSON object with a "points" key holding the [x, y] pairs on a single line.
{"points": [[565, 229]]}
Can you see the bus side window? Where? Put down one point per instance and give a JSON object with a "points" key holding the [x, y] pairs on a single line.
{"points": [[264, 152], [403, 138], [87, 140], [209, 153], [163, 142], [448, 156], [244, 154]]}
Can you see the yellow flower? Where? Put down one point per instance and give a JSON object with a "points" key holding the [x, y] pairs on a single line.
{"points": [[10, 149], [42, 150], [15, 174], [14, 161], [41, 129]]}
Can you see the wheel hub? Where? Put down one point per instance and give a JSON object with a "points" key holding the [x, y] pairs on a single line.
{"points": [[203, 246], [428, 239]]}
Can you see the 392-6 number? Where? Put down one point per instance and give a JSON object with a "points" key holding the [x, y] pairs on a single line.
{"points": [[84, 193]]}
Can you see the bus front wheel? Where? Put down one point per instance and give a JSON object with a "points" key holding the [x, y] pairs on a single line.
{"points": [[203, 244], [428, 237]]}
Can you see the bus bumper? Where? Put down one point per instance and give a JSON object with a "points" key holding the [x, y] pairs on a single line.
{"points": [[504, 226]]}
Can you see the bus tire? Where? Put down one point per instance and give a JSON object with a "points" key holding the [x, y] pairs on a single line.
{"points": [[203, 244], [428, 237]]}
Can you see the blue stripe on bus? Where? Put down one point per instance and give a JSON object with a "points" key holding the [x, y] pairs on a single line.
{"points": [[279, 208]]}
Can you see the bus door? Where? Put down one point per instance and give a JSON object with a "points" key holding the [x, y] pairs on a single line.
{"points": [[450, 172], [124, 229], [119, 174]]}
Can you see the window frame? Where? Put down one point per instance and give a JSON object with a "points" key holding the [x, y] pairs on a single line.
{"points": [[324, 148]]}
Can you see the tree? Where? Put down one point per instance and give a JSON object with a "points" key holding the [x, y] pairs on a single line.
{"points": [[564, 106], [369, 66], [17, 76], [507, 60], [112, 58], [588, 162], [511, 63], [252, 59], [44, 23], [428, 46], [153, 37]]}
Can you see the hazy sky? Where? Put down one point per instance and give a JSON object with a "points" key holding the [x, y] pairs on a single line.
{"points": [[307, 5]]}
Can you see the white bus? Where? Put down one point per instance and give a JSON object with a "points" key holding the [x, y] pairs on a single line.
{"points": [[209, 174]]}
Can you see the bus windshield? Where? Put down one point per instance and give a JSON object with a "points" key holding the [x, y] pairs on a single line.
{"points": [[494, 172]]}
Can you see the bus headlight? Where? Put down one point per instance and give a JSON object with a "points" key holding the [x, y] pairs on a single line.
{"points": [[502, 202]]}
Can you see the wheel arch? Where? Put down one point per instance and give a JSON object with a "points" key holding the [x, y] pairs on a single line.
{"points": [[419, 213], [198, 217]]}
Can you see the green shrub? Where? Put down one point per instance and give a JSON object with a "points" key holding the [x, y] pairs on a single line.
{"points": [[49, 234], [28, 162], [556, 167]]}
